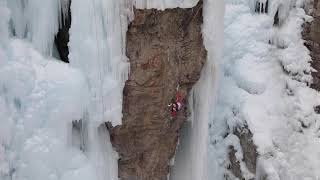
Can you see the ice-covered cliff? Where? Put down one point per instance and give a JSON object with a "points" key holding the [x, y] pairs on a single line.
{"points": [[53, 114], [249, 114]]}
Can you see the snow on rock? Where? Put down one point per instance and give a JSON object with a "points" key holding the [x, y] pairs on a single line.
{"points": [[264, 83]]}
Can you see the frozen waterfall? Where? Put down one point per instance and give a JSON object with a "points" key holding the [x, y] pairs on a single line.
{"points": [[52, 113], [263, 83]]}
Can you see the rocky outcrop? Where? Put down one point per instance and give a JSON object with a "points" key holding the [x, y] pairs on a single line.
{"points": [[249, 150], [311, 34], [165, 49]]}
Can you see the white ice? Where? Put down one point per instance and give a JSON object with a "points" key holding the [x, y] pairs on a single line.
{"points": [[39, 99], [37, 21], [263, 81]]}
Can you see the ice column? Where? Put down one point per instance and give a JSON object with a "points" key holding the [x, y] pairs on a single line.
{"points": [[97, 41], [97, 48], [38, 21]]}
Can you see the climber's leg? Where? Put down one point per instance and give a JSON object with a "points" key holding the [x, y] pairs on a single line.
{"points": [[178, 97], [173, 114], [179, 105]]}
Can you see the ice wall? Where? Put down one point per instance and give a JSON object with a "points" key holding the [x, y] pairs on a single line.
{"points": [[192, 161], [97, 48], [39, 99], [38, 21]]}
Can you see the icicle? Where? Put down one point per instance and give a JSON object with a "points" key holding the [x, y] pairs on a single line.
{"points": [[38, 21], [103, 41]]}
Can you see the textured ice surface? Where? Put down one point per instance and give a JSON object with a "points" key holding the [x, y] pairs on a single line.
{"points": [[39, 98], [263, 82], [97, 48], [38, 21]]}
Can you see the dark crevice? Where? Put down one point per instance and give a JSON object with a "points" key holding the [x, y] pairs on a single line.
{"points": [[261, 7], [276, 21], [62, 38], [79, 134], [266, 8]]}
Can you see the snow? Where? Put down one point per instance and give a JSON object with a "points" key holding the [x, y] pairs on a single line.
{"points": [[263, 83]]}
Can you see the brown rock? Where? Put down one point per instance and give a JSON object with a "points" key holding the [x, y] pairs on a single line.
{"points": [[165, 49], [315, 30], [234, 164], [311, 34], [249, 150]]}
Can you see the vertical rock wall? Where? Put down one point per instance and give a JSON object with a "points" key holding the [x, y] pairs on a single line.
{"points": [[249, 150], [165, 49], [311, 34], [62, 37]]}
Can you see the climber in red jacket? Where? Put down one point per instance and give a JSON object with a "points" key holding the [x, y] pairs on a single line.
{"points": [[176, 104]]}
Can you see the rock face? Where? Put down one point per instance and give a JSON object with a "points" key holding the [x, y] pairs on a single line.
{"points": [[165, 49], [311, 34], [249, 150], [62, 38]]}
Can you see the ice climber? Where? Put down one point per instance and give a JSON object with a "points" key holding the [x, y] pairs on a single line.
{"points": [[176, 104]]}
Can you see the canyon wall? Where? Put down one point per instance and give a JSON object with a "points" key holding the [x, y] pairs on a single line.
{"points": [[166, 50]]}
